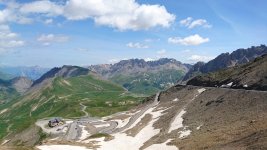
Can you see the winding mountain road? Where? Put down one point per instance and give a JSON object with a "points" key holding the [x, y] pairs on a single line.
{"points": [[75, 129]]}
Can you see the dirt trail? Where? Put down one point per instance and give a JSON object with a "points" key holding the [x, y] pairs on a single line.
{"points": [[84, 110]]}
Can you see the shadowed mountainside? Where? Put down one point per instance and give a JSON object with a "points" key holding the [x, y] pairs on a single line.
{"points": [[252, 75]]}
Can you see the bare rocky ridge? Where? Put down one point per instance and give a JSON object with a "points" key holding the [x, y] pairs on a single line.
{"points": [[132, 66], [225, 60], [249, 76], [65, 72]]}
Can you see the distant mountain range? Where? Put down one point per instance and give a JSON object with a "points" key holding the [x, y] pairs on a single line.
{"points": [[225, 60], [5, 76], [33, 72], [144, 77]]}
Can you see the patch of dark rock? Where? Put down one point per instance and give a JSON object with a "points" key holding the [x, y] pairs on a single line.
{"points": [[210, 102]]}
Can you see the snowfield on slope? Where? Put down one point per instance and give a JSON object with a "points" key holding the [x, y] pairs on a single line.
{"points": [[177, 122], [129, 142]]}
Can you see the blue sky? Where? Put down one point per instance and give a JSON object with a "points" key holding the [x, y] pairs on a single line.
{"points": [[84, 32]]}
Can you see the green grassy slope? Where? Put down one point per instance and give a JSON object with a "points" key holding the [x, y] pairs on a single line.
{"points": [[63, 98], [148, 83]]}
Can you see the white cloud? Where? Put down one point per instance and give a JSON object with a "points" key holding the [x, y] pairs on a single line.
{"points": [[161, 52], [119, 14], [196, 58], [151, 40], [186, 22], [190, 40], [47, 39], [186, 51], [199, 22], [83, 50], [190, 23], [48, 21], [113, 61], [136, 45], [11, 14], [149, 59], [128, 15], [43, 7], [9, 39]]}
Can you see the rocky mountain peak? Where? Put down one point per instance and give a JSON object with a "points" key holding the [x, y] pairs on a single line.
{"points": [[64, 71]]}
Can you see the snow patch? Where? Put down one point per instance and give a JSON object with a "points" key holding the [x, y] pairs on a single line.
{"points": [[177, 122], [184, 133], [175, 100], [230, 84], [162, 146], [143, 115], [61, 147], [245, 86], [84, 134], [199, 127], [4, 142], [201, 90], [102, 125], [227, 85]]}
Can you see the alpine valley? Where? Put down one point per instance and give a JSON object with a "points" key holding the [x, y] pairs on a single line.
{"points": [[138, 104]]}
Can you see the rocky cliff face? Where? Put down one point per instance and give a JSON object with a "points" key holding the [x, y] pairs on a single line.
{"points": [[225, 60]]}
